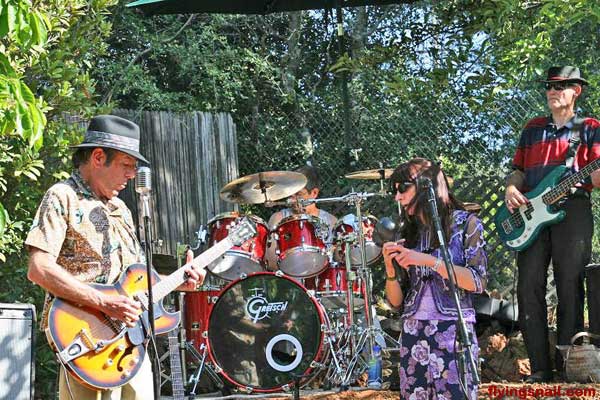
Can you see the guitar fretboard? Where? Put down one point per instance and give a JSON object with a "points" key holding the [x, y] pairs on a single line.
{"points": [[566, 184], [171, 282], [175, 362]]}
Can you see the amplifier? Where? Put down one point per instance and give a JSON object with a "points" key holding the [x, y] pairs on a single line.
{"points": [[17, 324]]}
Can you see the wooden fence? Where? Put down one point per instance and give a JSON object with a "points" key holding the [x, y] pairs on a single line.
{"points": [[192, 156]]}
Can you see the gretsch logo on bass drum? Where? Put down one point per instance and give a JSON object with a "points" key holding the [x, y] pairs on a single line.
{"points": [[258, 307]]}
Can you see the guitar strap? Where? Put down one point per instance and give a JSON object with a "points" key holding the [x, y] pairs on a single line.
{"points": [[574, 141]]}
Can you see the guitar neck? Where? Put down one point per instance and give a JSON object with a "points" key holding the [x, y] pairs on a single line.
{"points": [[170, 283], [566, 184], [175, 362]]}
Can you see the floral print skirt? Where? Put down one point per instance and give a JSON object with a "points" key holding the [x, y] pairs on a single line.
{"points": [[428, 363]]}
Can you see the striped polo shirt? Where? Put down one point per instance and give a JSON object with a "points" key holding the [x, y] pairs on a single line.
{"points": [[543, 147]]}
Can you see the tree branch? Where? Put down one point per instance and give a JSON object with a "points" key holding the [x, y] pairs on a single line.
{"points": [[108, 96]]}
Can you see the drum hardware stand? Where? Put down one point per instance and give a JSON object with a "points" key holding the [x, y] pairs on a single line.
{"points": [[181, 248], [202, 366], [350, 278], [368, 335]]}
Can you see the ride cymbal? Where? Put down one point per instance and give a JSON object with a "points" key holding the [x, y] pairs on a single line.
{"points": [[263, 186], [380, 173]]}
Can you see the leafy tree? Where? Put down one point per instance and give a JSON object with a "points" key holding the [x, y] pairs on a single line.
{"points": [[47, 51]]}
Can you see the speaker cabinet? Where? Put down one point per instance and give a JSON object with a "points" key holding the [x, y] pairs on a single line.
{"points": [[17, 324]]}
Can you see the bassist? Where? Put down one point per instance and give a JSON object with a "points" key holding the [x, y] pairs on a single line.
{"points": [[84, 233], [544, 145]]}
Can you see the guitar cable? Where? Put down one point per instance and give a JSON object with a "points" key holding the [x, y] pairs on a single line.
{"points": [[156, 361], [64, 368]]}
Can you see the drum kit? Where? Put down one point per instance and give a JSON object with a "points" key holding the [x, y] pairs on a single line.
{"points": [[310, 322]]}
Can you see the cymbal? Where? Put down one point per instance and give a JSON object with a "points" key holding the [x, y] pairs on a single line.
{"points": [[381, 173], [277, 185]]}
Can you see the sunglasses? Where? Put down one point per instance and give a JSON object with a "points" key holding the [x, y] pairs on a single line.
{"points": [[404, 186], [558, 86]]}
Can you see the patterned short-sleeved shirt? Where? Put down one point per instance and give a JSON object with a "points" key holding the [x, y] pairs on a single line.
{"points": [[94, 240]]}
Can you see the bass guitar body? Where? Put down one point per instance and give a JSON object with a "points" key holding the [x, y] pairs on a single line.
{"points": [[101, 352], [519, 229]]}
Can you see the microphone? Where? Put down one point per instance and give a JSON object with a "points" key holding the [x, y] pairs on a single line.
{"points": [[143, 186], [387, 230], [143, 181]]}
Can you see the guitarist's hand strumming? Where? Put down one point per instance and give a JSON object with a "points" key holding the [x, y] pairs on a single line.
{"points": [[514, 198], [120, 307]]}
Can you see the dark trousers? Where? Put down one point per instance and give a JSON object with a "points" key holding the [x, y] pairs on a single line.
{"points": [[569, 245]]}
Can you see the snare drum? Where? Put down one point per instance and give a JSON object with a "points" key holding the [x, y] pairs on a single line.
{"points": [[331, 286], [264, 330], [349, 225], [301, 247], [245, 259]]}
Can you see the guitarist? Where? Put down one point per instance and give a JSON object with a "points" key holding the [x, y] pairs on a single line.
{"points": [[83, 232], [544, 144]]}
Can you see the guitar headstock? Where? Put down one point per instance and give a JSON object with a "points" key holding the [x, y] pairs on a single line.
{"points": [[242, 231]]}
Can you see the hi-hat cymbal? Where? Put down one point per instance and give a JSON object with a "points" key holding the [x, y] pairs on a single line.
{"points": [[381, 173], [276, 184]]}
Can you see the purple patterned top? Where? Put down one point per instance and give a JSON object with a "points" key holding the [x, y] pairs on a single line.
{"points": [[429, 297]]}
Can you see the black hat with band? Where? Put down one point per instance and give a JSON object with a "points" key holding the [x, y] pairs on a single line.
{"points": [[114, 133], [565, 73]]}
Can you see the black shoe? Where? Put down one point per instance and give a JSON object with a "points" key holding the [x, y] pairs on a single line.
{"points": [[539, 377]]}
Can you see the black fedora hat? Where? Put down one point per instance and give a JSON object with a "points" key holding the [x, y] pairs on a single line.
{"points": [[565, 73], [114, 133]]}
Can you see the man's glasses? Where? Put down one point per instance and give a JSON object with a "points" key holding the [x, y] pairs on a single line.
{"points": [[558, 86]]}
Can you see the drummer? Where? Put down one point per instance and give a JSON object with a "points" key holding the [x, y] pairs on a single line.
{"points": [[310, 191]]}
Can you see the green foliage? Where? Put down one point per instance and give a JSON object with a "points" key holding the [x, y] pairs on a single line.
{"points": [[47, 50], [3, 217]]}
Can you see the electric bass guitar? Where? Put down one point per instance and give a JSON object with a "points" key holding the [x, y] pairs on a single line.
{"points": [[102, 352], [519, 229]]}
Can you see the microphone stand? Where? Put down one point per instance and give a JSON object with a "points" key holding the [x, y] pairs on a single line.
{"points": [[464, 341], [148, 250]]}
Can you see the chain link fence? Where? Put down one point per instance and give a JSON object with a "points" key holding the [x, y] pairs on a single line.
{"points": [[474, 144]]}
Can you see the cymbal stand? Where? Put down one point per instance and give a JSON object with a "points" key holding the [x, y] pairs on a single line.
{"points": [[358, 338], [350, 278], [368, 335]]}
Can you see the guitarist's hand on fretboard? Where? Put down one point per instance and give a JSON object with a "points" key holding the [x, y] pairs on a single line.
{"points": [[514, 198], [196, 277]]}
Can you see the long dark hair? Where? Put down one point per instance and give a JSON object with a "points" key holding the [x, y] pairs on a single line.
{"points": [[421, 219]]}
